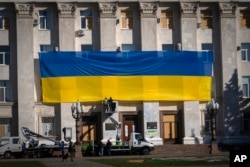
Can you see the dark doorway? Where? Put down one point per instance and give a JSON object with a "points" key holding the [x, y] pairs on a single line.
{"points": [[129, 121]]}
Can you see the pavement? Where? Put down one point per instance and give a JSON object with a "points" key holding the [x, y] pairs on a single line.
{"points": [[84, 161]]}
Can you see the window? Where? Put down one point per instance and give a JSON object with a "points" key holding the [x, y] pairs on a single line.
{"points": [[207, 127], [167, 19], [151, 125], [5, 91], [4, 20], [168, 47], [245, 18], [86, 20], [4, 55], [47, 48], [16, 141], [110, 126], [245, 56], [206, 47], [48, 128], [127, 19], [87, 48], [128, 47], [245, 86], [206, 19], [44, 20]]}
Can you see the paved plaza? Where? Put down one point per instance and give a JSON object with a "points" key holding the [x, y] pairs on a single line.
{"points": [[84, 161]]}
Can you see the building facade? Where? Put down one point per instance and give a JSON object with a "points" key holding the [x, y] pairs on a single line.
{"points": [[28, 27]]}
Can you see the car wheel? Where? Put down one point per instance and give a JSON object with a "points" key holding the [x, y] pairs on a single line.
{"points": [[7, 155], [145, 151]]}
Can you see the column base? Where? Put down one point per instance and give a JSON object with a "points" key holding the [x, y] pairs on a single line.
{"points": [[193, 140], [155, 140]]}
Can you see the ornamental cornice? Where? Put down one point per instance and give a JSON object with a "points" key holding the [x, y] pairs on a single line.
{"points": [[66, 9], [188, 8], [107, 9], [148, 9], [227, 8], [24, 9]]}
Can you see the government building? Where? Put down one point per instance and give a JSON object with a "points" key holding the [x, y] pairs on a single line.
{"points": [[36, 33]]}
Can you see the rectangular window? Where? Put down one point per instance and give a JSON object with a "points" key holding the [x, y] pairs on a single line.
{"points": [[86, 20], [167, 19], [206, 47], [206, 19], [245, 18], [128, 47], [44, 20], [48, 128], [245, 55], [85, 48], [151, 125], [127, 19], [4, 55], [168, 47], [5, 91], [246, 86], [47, 48], [110, 126], [4, 23], [207, 127]]}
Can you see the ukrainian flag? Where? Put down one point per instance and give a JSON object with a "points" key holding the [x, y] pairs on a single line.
{"points": [[128, 76]]}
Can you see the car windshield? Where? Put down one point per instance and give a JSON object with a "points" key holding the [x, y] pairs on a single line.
{"points": [[4, 142]]}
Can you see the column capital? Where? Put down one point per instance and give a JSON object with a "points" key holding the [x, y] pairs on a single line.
{"points": [[66, 9], [227, 9], [107, 9], [189, 9], [148, 9], [24, 9]]}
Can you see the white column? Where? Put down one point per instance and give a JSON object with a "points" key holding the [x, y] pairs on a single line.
{"points": [[25, 66]]}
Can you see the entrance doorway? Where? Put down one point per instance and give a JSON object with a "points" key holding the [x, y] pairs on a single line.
{"points": [[89, 132], [170, 128], [130, 123]]}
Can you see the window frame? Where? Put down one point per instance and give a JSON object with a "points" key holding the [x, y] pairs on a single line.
{"points": [[44, 20], [127, 20], [48, 121], [87, 17], [244, 19], [245, 84], [47, 48], [244, 49], [167, 17], [206, 19], [4, 22]]}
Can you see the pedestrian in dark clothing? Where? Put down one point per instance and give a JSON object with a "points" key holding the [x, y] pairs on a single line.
{"points": [[110, 104], [71, 150], [108, 145], [106, 105], [23, 149], [101, 148], [62, 148]]}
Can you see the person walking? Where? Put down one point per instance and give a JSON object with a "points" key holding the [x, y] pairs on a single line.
{"points": [[62, 149], [101, 148], [71, 150], [108, 145]]}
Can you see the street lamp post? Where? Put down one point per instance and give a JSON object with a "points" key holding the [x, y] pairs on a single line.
{"points": [[212, 109], [76, 110]]}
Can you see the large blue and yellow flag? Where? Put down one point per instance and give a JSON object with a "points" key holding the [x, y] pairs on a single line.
{"points": [[129, 76]]}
